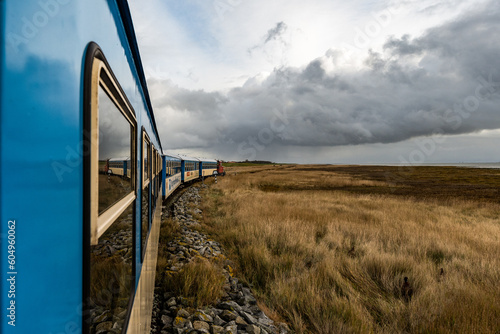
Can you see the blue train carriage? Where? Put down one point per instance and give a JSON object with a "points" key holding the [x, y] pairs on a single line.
{"points": [[73, 93], [172, 175], [208, 167], [190, 169], [117, 167]]}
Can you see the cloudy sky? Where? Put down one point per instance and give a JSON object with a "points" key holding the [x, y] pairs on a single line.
{"points": [[324, 81]]}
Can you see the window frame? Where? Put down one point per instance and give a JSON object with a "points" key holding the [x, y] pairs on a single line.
{"points": [[153, 161], [146, 175], [104, 79], [157, 163], [146, 182], [91, 77]]}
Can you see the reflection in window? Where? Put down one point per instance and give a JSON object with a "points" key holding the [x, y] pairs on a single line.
{"points": [[114, 150], [153, 162], [145, 216], [111, 276], [146, 154]]}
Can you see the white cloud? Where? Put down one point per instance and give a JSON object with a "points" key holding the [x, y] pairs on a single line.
{"points": [[217, 82]]}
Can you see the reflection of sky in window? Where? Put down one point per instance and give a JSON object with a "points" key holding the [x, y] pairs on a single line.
{"points": [[114, 130], [145, 157]]}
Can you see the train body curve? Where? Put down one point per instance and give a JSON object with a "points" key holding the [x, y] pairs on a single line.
{"points": [[171, 174], [79, 256]]}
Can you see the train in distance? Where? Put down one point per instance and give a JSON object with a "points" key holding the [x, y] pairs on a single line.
{"points": [[83, 171]]}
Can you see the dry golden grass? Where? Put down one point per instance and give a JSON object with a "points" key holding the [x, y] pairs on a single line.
{"points": [[168, 230], [328, 251], [200, 281]]}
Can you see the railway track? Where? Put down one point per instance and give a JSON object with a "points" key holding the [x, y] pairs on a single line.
{"points": [[234, 311]]}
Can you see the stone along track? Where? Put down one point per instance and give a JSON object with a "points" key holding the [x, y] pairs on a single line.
{"points": [[234, 311]]}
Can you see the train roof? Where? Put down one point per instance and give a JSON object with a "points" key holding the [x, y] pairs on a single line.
{"points": [[208, 160], [120, 159], [172, 155], [134, 48], [188, 158]]}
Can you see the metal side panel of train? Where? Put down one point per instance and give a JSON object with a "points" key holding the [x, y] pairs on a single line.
{"points": [[171, 174], [78, 247], [190, 169], [208, 167]]}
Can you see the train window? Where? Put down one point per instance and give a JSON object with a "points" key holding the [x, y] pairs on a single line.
{"points": [[109, 202], [153, 161], [113, 128], [145, 217], [146, 157], [146, 191], [115, 140], [111, 274], [153, 178]]}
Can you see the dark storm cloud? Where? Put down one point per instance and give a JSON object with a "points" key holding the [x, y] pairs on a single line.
{"points": [[199, 102], [403, 46], [186, 118], [446, 81], [276, 32]]}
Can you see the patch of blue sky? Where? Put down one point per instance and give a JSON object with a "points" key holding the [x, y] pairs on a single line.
{"points": [[195, 17]]}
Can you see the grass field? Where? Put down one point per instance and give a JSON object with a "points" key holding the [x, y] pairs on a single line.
{"points": [[326, 248], [245, 164]]}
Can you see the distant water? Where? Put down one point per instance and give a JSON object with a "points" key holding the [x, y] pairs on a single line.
{"points": [[471, 165], [495, 165]]}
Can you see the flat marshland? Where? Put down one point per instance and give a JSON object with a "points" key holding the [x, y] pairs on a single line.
{"points": [[327, 248]]}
